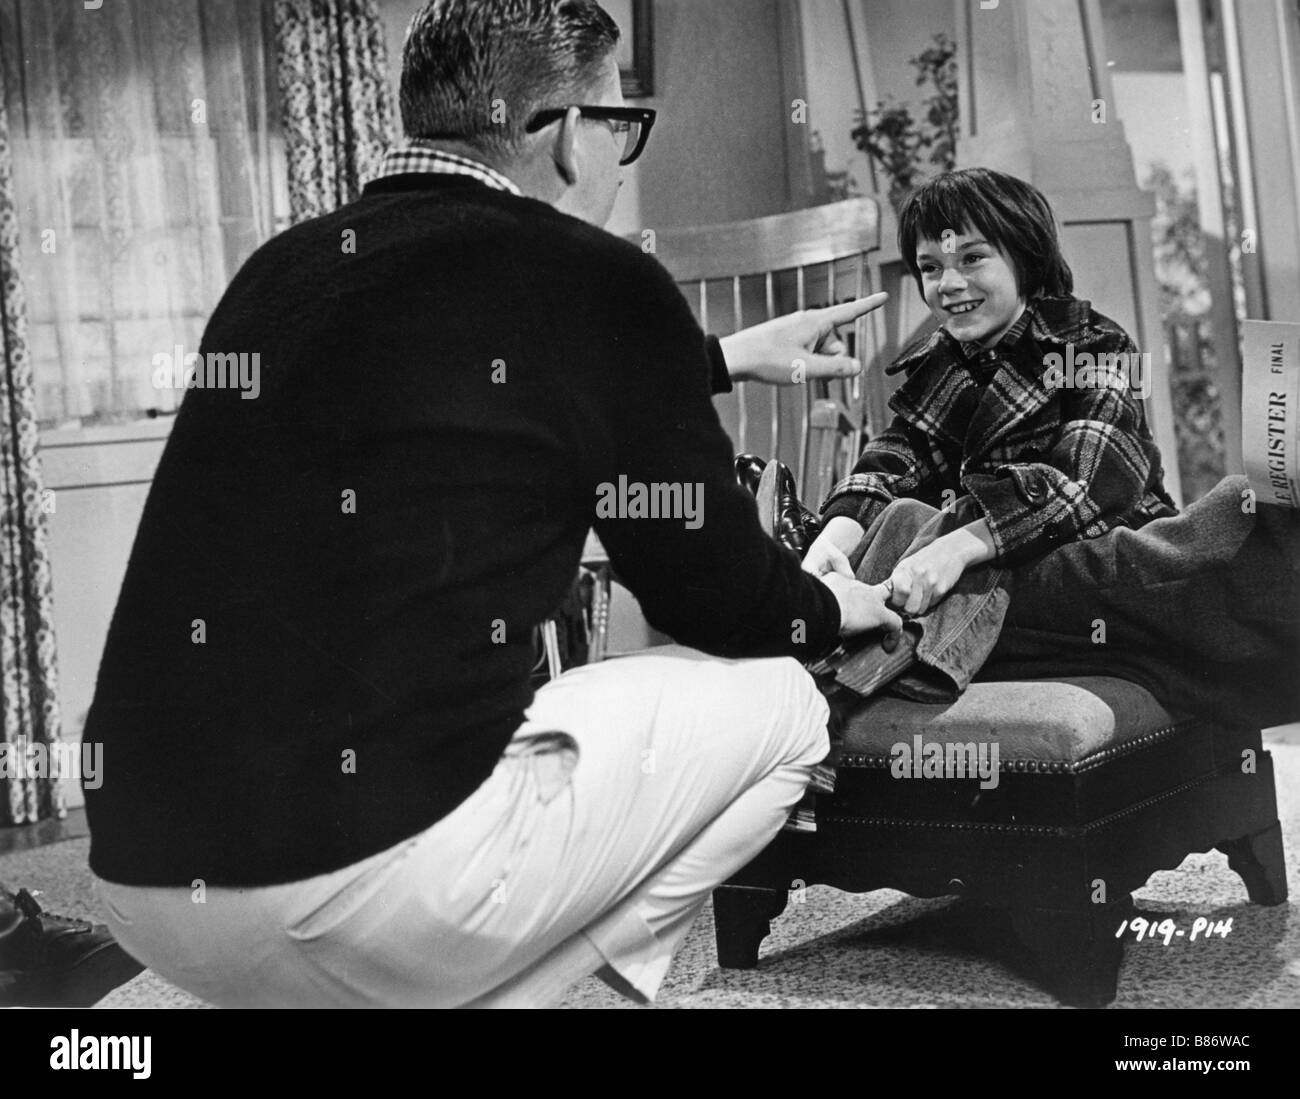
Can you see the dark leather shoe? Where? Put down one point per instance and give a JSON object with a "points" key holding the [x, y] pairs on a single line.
{"points": [[56, 961], [781, 513], [749, 468], [810, 522]]}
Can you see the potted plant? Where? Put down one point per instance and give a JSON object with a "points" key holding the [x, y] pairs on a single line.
{"points": [[910, 150]]}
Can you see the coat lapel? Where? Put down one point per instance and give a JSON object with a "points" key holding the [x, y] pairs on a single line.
{"points": [[930, 396]]}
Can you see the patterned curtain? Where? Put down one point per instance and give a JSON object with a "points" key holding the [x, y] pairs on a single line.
{"points": [[30, 700], [338, 118]]}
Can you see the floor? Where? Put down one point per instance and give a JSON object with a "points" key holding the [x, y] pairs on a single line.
{"points": [[883, 949]]}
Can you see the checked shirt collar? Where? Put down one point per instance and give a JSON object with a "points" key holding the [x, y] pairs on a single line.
{"points": [[415, 157]]}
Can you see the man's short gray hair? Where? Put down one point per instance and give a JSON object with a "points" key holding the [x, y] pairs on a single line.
{"points": [[478, 70]]}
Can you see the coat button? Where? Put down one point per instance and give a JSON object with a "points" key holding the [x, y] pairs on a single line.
{"points": [[1035, 487]]}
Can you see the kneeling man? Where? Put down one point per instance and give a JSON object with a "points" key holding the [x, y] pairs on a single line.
{"points": [[327, 780]]}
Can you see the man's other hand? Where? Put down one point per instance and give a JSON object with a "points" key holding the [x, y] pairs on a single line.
{"points": [[863, 607], [798, 347]]}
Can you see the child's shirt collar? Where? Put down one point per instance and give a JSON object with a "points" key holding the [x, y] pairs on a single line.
{"points": [[984, 361], [1048, 320]]}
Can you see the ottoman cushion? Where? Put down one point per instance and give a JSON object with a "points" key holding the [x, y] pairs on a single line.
{"points": [[1058, 753], [1057, 724]]}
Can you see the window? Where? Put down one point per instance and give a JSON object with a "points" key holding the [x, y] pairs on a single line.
{"points": [[148, 166]]}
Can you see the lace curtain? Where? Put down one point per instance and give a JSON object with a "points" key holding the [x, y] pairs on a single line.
{"points": [[145, 172]]}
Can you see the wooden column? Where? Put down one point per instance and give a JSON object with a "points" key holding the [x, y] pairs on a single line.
{"points": [[1262, 39], [1036, 102], [1211, 211]]}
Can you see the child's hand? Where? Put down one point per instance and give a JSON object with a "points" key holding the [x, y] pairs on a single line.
{"points": [[923, 579], [829, 553]]}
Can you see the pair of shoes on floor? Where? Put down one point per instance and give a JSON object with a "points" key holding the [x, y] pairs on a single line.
{"points": [[48, 960], [780, 513]]}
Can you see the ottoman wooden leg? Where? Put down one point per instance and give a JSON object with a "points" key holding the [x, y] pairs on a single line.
{"points": [[1076, 951], [1259, 861], [742, 918]]}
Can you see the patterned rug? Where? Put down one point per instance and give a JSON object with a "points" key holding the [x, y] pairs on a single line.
{"points": [[886, 949]]}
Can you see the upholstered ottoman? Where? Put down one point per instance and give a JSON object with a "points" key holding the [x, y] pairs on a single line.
{"points": [[1052, 799]]}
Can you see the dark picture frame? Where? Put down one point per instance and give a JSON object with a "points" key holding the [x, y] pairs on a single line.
{"points": [[635, 18]]}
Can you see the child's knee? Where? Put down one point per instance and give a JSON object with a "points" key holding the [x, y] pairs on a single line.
{"points": [[922, 522], [908, 516], [907, 506]]}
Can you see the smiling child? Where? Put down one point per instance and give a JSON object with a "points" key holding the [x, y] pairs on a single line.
{"points": [[981, 417]]}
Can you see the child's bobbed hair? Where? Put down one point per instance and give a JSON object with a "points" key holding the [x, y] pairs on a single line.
{"points": [[1005, 211]]}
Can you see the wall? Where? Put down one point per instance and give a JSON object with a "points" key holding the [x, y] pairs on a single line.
{"points": [[100, 477], [898, 30], [717, 152], [396, 16], [718, 69]]}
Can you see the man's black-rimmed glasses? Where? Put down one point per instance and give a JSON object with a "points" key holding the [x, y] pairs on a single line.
{"points": [[631, 125]]}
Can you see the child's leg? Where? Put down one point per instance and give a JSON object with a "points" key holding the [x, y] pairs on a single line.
{"points": [[942, 649], [1203, 608]]}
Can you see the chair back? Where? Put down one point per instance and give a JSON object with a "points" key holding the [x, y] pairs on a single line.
{"points": [[740, 273]]}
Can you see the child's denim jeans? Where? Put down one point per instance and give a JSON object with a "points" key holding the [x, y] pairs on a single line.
{"points": [[942, 649], [1201, 608]]}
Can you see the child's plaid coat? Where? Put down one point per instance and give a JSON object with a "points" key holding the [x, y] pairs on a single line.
{"points": [[1046, 464]]}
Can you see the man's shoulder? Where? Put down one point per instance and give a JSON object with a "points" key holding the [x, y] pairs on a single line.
{"points": [[435, 226], [547, 238], [617, 256]]}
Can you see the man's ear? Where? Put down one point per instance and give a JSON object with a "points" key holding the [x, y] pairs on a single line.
{"points": [[565, 149]]}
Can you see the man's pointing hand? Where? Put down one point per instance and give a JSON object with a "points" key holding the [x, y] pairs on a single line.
{"points": [[798, 347]]}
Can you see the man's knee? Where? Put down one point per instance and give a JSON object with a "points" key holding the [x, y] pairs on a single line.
{"points": [[805, 711]]}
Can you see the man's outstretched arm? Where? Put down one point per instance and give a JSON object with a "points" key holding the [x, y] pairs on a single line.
{"points": [[705, 574]]}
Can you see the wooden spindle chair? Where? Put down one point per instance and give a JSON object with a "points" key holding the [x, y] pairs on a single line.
{"points": [[763, 268]]}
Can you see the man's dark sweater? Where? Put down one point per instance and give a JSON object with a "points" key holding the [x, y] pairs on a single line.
{"points": [[323, 640]]}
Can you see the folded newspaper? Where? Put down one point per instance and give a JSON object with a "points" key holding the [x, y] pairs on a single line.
{"points": [[1270, 411]]}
